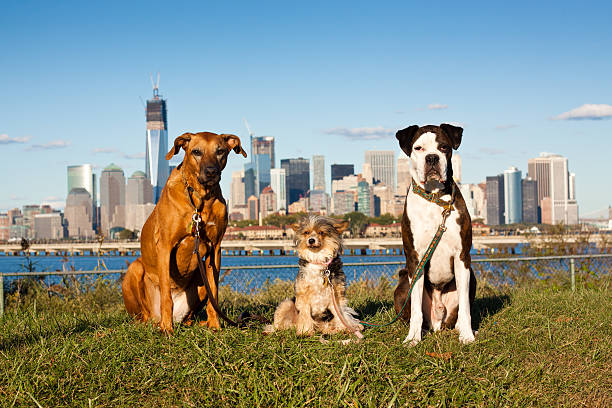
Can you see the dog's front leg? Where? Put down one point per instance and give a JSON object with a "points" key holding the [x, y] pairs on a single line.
{"points": [[416, 312], [213, 264], [464, 318], [304, 324], [166, 305]]}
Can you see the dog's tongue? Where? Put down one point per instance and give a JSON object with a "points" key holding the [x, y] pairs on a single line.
{"points": [[433, 184]]}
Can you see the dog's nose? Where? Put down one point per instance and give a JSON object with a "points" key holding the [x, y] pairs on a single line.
{"points": [[211, 171], [432, 159], [311, 241]]}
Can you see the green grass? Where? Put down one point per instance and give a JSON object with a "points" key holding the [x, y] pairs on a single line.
{"points": [[536, 347]]}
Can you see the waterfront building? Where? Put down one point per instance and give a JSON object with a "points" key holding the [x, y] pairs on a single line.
{"points": [[513, 197], [343, 202], [403, 175], [78, 214], [474, 197], [28, 213], [262, 172], [382, 163], [338, 171], [383, 199], [299, 206], [253, 206], [318, 202], [267, 202], [554, 181], [365, 199], [495, 200], [156, 165], [138, 203], [261, 145], [530, 201], [278, 182], [237, 190], [82, 176], [297, 175], [112, 194], [318, 173], [48, 226], [4, 227]]}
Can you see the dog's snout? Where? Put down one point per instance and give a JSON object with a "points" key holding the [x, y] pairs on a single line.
{"points": [[432, 159], [211, 171], [311, 241]]}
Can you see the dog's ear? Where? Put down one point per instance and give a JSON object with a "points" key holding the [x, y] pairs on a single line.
{"points": [[179, 142], [233, 142], [295, 227], [341, 226], [406, 138], [454, 133]]}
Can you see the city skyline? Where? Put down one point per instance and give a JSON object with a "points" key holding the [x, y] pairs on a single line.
{"points": [[338, 90]]}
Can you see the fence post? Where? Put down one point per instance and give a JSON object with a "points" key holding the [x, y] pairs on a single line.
{"points": [[1, 295], [573, 274]]}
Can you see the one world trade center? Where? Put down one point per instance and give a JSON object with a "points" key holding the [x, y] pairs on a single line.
{"points": [[157, 143]]}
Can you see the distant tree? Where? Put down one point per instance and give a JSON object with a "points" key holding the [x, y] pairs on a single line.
{"points": [[384, 219], [357, 222]]}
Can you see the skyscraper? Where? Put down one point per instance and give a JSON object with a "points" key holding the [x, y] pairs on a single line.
{"points": [[139, 189], [82, 176], [262, 172], [495, 200], [530, 201], [383, 165], [278, 182], [555, 183], [513, 197], [78, 213], [156, 168], [297, 173], [338, 171], [237, 189], [365, 199], [112, 195], [318, 172], [403, 175], [262, 161]]}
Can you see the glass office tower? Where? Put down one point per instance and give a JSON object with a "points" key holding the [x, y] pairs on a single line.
{"points": [[157, 143]]}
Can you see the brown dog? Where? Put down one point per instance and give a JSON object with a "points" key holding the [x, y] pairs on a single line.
{"points": [[164, 284]]}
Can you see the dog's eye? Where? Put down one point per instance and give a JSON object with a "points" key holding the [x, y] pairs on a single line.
{"points": [[444, 148], [196, 152], [418, 148], [220, 152], [306, 232]]}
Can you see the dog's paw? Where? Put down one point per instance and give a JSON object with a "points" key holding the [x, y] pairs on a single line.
{"points": [[467, 337], [414, 336]]}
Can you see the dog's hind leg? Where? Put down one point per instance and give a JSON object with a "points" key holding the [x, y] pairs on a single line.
{"points": [[285, 317], [132, 289]]}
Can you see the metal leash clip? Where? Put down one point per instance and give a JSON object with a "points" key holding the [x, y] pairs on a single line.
{"points": [[326, 280]]}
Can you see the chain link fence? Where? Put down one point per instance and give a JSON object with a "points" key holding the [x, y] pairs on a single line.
{"points": [[264, 281]]}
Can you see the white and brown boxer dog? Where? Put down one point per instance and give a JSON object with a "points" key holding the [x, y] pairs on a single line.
{"points": [[442, 297]]}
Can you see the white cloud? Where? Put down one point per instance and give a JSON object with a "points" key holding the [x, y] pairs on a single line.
{"points": [[587, 111], [366, 133], [504, 127], [436, 106], [135, 156], [6, 139], [55, 144], [104, 150]]}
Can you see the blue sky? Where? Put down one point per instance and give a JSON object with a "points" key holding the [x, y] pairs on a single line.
{"points": [[331, 78]]}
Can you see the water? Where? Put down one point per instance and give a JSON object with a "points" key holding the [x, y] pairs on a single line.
{"points": [[243, 280]]}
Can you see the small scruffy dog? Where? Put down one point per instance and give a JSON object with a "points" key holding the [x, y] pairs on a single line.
{"points": [[319, 244]]}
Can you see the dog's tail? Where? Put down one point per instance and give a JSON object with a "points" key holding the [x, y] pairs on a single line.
{"points": [[285, 316]]}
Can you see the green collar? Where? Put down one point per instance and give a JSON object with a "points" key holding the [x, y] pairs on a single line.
{"points": [[434, 197]]}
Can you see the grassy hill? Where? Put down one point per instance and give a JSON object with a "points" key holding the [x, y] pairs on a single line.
{"points": [[541, 347]]}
